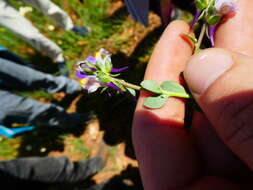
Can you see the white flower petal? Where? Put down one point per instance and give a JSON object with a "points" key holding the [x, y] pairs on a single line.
{"points": [[91, 84], [225, 6]]}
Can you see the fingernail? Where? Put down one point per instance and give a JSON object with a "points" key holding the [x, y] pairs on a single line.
{"points": [[205, 68]]}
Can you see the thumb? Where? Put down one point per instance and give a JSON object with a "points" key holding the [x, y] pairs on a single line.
{"points": [[222, 84]]}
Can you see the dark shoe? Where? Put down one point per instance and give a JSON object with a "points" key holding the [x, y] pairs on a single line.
{"points": [[76, 119], [81, 30], [63, 69], [63, 119]]}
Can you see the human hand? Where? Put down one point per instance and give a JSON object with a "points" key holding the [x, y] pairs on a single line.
{"points": [[216, 155]]}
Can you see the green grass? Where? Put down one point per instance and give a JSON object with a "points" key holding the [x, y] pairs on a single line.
{"points": [[9, 148], [80, 148]]}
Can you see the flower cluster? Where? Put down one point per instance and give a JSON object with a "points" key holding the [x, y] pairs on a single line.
{"points": [[213, 11], [96, 72]]}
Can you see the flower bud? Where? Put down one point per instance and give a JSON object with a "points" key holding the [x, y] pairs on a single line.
{"points": [[225, 7]]}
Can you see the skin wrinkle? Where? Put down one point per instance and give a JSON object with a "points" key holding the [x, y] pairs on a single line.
{"points": [[225, 38], [241, 119], [152, 123], [230, 109], [229, 106]]}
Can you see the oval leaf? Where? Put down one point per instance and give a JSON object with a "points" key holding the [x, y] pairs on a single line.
{"points": [[155, 102], [201, 4], [151, 86], [108, 65], [174, 89], [213, 19], [132, 91]]}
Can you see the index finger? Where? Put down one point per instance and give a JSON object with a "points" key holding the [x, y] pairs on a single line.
{"points": [[159, 143], [168, 60]]}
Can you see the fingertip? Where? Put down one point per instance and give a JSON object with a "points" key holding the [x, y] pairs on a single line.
{"points": [[168, 60], [205, 67], [179, 25]]}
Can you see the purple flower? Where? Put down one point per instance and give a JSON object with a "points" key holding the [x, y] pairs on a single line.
{"points": [[81, 66], [195, 19], [117, 70], [91, 60], [211, 33], [93, 69], [90, 83], [112, 85], [225, 7], [80, 74]]}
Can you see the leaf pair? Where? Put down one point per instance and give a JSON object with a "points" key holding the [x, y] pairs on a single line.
{"points": [[163, 92]]}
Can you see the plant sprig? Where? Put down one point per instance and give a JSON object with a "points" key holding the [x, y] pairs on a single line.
{"points": [[98, 72], [210, 13]]}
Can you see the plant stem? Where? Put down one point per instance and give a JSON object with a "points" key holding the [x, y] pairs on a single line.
{"points": [[201, 36], [128, 85]]}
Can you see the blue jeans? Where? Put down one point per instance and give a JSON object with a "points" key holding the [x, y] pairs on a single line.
{"points": [[16, 108], [25, 171]]}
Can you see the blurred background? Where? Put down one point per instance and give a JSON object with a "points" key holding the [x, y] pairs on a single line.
{"points": [[130, 43]]}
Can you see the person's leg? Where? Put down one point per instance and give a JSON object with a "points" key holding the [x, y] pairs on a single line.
{"points": [[12, 20], [6, 54], [48, 169], [21, 77], [52, 11], [59, 16], [18, 109]]}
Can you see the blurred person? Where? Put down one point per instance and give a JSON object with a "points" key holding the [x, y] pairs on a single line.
{"points": [[6, 54], [41, 172], [139, 9], [38, 171], [18, 109], [11, 19]]}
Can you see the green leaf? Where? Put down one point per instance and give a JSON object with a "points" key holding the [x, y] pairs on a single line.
{"points": [[207, 33], [102, 77], [115, 75], [87, 70], [100, 65], [104, 89], [213, 19], [132, 91], [201, 4], [155, 102], [90, 65], [151, 86], [108, 65], [172, 88], [201, 15]]}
